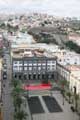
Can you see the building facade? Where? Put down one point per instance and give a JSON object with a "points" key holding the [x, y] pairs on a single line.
{"points": [[71, 73], [33, 67], [62, 72]]}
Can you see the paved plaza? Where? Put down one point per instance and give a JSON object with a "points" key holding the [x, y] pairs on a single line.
{"points": [[52, 112]]}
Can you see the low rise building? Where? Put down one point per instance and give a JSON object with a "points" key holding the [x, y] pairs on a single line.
{"points": [[74, 78], [71, 73], [63, 73], [66, 57]]}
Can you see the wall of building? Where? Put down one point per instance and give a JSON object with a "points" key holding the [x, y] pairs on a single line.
{"points": [[62, 73], [34, 68], [75, 83]]}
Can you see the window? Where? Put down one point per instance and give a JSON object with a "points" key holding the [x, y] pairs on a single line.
{"points": [[43, 67], [39, 68], [25, 68], [43, 76], [75, 62], [34, 68], [30, 64], [50, 68], [50, 62], [60, 60], [20, 76], [30, 68], [20, 68], [17, 63], [34, 64], [15, 76], [30, 76], [44, 62], [15, 68], [34, 76], [52, 76], [38, 76], [25, 77]]}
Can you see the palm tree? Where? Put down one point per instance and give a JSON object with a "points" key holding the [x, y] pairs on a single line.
{"points": [[69, 96], [17, 103], [63, 93], [76, 97], [15, 83], [17, 91], [17, 94], [63, 83], [21, 115], [17, 97]]}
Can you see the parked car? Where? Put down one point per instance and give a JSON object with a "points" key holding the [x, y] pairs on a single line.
{"points": [[4, 75], [4, 65]]}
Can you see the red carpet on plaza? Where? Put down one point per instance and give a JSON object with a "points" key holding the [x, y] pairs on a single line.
{"points": [[37, 87]]}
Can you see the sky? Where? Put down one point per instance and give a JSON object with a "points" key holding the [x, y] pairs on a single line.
{"points": [[70, 8]]}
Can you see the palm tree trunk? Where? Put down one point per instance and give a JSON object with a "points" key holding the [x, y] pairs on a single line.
{"points": [[76, 105]]}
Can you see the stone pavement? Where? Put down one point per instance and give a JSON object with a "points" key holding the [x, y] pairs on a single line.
{"points": [[67, 114]]}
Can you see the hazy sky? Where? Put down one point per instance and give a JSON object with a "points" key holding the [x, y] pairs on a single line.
{"points": [[55, 7]]}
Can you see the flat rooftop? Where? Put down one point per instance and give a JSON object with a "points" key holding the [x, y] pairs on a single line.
{"points": [[20, 53], [73, 67]]}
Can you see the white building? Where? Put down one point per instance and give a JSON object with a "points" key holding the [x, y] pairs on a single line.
{"points": [[71, 73], [66, 57]]}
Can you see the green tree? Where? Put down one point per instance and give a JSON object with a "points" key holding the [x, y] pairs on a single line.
{"points": [[63, 93], [17, 101], [63, 83], [16, 83], [73, 46], [17, 94], [2, 25], [21, 115], [17, 91]]}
